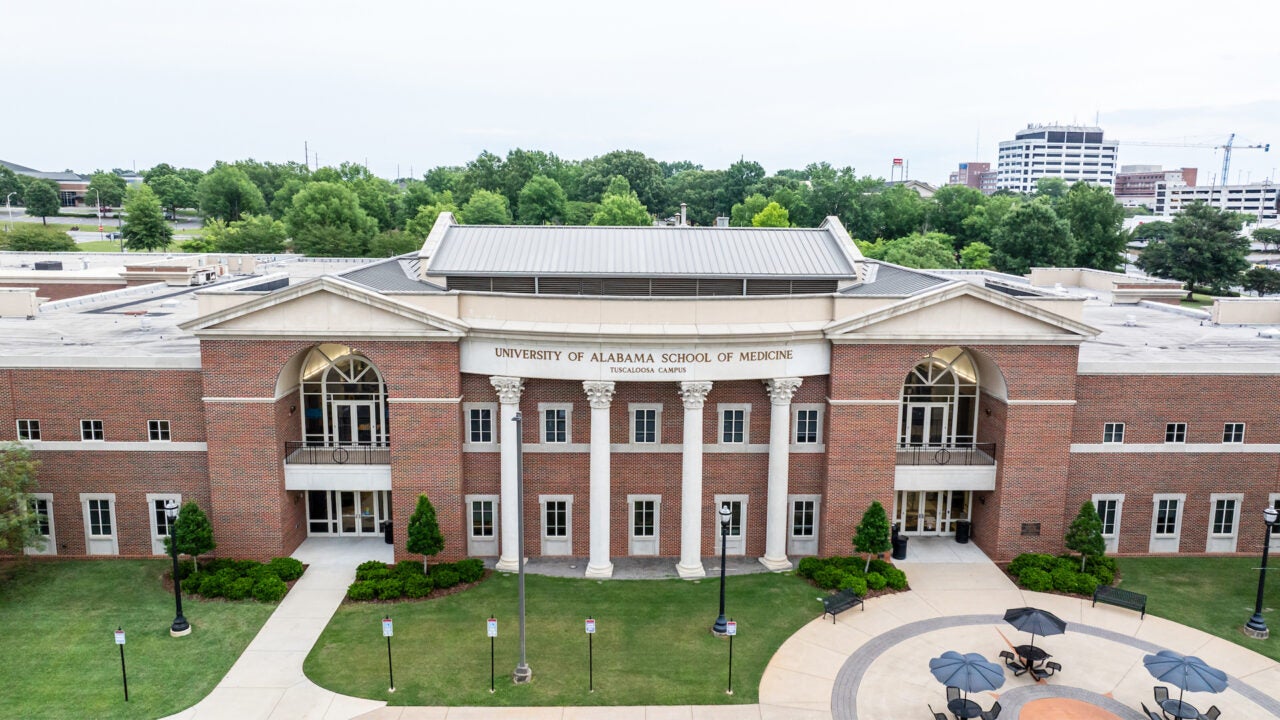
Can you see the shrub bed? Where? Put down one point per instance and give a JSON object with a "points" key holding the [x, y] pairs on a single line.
{"points": [[406, 579], [240, 579], [846, 573], [1061, 573]]}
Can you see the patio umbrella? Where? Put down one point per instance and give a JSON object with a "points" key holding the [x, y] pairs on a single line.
{"points": [[1035, 621], [970, 672], [1185, 672]]}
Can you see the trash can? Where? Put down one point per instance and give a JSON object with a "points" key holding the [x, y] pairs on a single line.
{"points": [[900, 547], [386, 532], [964, 529]]}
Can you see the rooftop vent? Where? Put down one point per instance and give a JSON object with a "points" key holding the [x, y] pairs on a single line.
{"points": [[1269, 333], [1131, 321]]}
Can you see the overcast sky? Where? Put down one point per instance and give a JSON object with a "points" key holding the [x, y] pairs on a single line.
{"points": [[420, 84]]}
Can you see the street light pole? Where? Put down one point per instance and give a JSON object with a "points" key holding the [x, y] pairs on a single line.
{"points": [[523, 672], [180, 625], [721, 625], [9, 207], [1257, 626]]}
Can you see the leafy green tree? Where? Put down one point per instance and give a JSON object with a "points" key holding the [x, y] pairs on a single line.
{"points": [[144, 225], [10, 182], [1052, 189], [173, 192], [773, 215], [377, 197], [18, 525], [620, 206], [984, 223], [1096, 221], [949, 208], [1154, 230], [425, 537], [41, 199], [1032, 235], [193, 532], [227, 193], [872, 534], [110, 188], [521, 166], [976, 256], [932, 250], [1084, 535], [542, 201], [702, 191], [1206, 249], [485, 208], [443, 178], [415, 194], [742, 213], [1264, 281], [29, 237], [740, 178], [391, 243], [897, 211], [197, 246], [483, 173], [578, 212], [158, 171], [1269, 238], [420, 226], [253, 234], [326, 220], [643, 174]]}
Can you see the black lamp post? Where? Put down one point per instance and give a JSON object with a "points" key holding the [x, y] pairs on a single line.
{"points": [[721, 625], [1257, 627], [180, 625]]}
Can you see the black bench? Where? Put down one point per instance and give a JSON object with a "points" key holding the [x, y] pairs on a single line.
{"points": [[839, 602], [1120, 598]]}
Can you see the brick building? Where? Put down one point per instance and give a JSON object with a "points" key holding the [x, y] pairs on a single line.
{"points": [[657, 374]]}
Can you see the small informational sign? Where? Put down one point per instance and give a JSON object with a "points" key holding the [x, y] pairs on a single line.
{"points": [[731, 628], [591, 626], [493, 627], [386, 627], [119, 637]]}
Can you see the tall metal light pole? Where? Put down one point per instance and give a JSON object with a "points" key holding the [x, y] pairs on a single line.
{"points": [[721, 625], [97, 198], [523, 672], [180, 625], [1257, 626], [9, 207]]}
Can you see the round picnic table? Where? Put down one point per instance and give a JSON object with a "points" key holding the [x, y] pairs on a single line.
{"points": [[964, 708]]}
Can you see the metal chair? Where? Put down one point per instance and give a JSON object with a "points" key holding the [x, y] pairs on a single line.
{"points": [[1162, 694], [937, 715], [1212, 713], [993, 713], [1150, 714], [953, 693], [1011, 662], [1050, 668]]}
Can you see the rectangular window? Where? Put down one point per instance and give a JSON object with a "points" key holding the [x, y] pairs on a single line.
{"points": [[555, 425], [1107, 512], [646, 427], [1233, 432], [802, 518], [1167, 517], [1275, 503], [28, 429], [643, 516], [733, 426], [480, 425], [1224, 516], [557, 518], [1113, 432], [482, 518], [158, 430], [161, 516], [100, 518], [40, 508], [91, 430], [1175, 432], [806, 426]]}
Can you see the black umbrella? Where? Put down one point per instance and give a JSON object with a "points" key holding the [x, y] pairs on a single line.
{"points": [[970, 672], [1185, 672], [1035, 621]]}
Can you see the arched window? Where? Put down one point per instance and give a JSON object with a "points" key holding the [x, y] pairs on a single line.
{"points": [[940, 401], [344, 399]]}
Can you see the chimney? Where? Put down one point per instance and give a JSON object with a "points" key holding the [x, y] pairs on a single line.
{"points": [[683, 215], [722, 221]]}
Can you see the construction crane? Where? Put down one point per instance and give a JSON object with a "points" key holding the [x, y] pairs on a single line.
{"points": [[1226, 150]]}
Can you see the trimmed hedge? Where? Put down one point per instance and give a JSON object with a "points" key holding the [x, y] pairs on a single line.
{"points": [[377, 581], [845, 573], [240, 579], [1043, 573]]}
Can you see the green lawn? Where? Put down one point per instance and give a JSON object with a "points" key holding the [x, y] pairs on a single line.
{"points": [[1198, 301], [1216, 595], [653, 644], [61, 660], [114, 246]]}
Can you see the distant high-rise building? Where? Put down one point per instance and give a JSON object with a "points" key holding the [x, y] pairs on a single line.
{"points": [[1261, 200], [1070, 152], [1136, 184], [969, 174]]}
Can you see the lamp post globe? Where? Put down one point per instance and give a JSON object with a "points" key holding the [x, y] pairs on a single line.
{"points": [[721, 625], [180, 625], [1257, 626]]}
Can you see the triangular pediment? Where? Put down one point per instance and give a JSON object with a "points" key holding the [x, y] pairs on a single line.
{"points": [[961, 312], [326, 306]]}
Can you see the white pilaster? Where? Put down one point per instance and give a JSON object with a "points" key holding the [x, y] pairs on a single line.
{"points": [[600, 396], [509, 390], [775, 533], [694, 395]]}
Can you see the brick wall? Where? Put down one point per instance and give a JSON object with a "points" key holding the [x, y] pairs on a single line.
{"points": [[52, 290]]}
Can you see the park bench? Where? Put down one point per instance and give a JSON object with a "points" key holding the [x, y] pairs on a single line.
{"points": [[839, 602], [1120, 598]]}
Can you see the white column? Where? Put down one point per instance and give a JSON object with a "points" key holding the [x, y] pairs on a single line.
{"points": [[694, 395], [600, 396], [509, 389], [775, 533]]}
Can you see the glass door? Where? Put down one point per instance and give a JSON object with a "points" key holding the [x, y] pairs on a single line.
{"points": [[736, 542], [355, 423], [926, 424], [954, 508]]}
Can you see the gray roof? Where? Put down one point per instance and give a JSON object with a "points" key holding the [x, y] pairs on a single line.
{"points": [[30, 172], [895, 280], [398, 274], [640, 251]]}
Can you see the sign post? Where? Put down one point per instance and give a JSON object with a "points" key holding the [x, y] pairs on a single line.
{"points": [[731, 629], [387, 632], [492, 630], [123, 676], [591, 633]]}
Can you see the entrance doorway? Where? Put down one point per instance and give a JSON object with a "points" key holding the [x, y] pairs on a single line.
{"points": [[926, 424], [931, 512], [355, 422], [347, 512]]}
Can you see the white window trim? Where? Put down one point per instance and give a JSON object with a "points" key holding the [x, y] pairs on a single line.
{"points": [[115, 526], [1271, 502], [1182, 511], [1185, 430], [631, 515], [17, 434], [168, 430], [493, 424], [151, 513], [1243, 429], [497, 524], [1105, 426], [795, 424], [104, 432], [715, 515], [1235, 524], [791, 507], [542, 422], [50, 540], [746, 424], [657, 424], [1119, 498], [568, 516]]}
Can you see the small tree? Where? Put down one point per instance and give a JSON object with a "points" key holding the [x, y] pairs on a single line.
{"points": [[1085, 534], [193, 531], [872, 534], [41, 199], [425, 537], [18, 525], [144, 225]]}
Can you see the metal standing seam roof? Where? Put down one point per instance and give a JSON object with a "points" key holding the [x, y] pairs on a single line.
{"points": [[640, 251], [895, 280], [398, 274]]}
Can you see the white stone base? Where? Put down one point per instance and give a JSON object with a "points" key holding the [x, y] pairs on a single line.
{"points": [[781, 564], [183, 633], [507, 565], [601, 572], [689, 573]]}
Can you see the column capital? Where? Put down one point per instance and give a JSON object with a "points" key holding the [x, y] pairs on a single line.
{"points": [[599, 393], [781, 389], [694, 394], [509, 388]]}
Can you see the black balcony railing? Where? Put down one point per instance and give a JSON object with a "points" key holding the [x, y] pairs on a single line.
{"points": [[304, 453], [948, 454]]}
